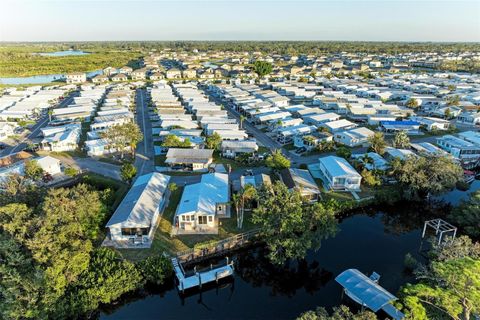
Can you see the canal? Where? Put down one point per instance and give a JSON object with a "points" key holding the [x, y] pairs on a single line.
{"points": [[369, 242]]}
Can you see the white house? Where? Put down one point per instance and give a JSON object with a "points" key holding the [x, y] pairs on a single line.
{"points": [[135, 219], [338, 174], [76, 77], [402, 154], [202, 204], [354, 137], [49, 164], [232, 148], [430, 123], [6, 130], [61, 138], [467, 152], [375, 161], [471, 118]]}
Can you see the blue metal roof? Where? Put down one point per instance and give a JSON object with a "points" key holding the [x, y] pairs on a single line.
{"points": [[400, 123]]}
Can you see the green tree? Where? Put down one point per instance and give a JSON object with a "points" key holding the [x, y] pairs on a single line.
{"points": [[401, 140], [106, 279], [213, 141], [32, 170], [156, 269], [344, 152], [172, 187], [447, 288], [242, 119], [277, 161], [412, 103], [448, 113], [453, 100], [122, 136], [172, 141], [467, 215], [370, 179], [262, 68], [377, 142], [339, 313], [421, 176], [128, 171], [291, 226]]}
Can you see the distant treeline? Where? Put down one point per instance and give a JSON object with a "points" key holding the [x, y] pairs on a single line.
{"points": [[18, 59], [280, 47]]}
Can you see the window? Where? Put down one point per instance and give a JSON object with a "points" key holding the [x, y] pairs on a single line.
{"points": [[219, 208], [210, 219], [202, 220], [183, 218], [192, 217], [188, 218]]}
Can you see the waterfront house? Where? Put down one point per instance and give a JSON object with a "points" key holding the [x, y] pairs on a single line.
{"points": [[202, 204], [301, 181], [119, 77], [76, 77], [338, 174], [135, 220]]}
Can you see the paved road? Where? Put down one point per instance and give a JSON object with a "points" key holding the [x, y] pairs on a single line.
{"points": [[35, 130], [145, 154], [89, 164]]}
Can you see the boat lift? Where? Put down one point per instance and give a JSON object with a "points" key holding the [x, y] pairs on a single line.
{"points": [[368, 293], [200, 278], [441, 227]]}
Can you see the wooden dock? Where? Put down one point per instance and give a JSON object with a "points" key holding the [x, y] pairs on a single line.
{"points": [[200, 278], [218, 248]]}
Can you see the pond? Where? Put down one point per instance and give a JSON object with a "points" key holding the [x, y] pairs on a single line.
{"points": [[41, 79], [259, 290], [64, 53]]}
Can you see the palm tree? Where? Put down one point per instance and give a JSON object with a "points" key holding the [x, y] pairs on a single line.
{"points": [[247, 194], [236, 199], [50, 113], [242, 118]]}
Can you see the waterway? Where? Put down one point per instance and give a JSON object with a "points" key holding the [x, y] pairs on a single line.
{"points": [[370, 242], [41, 79], [65, 53]]}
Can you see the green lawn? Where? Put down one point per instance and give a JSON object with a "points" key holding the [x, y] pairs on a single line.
{"points": [[164, 242]]}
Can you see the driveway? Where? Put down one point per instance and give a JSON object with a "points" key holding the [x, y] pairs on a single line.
{"points": [[92, 165]]}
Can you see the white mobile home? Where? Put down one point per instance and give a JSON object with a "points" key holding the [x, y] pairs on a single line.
{"points": [[338, 174], [135, 219]]}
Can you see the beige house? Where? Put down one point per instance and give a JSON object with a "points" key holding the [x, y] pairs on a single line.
{"points": [[174, 74], [100, 79], [119, 77], [126, 70], [189, 73], [139, 74], [157, 76], [76, 77]]}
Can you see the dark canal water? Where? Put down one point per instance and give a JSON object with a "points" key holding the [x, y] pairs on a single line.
{"points": [[369, 242]]}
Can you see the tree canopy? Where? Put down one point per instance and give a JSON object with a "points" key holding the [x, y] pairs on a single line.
{"points": [[377, 142], [213, 141], [128, 171], [172, 141], [277, 161], [467, 215], [262, 68], [425, 175], [290, 225], [401, 140], [122, 136]]}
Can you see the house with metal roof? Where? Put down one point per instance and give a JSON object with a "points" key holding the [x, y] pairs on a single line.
{"points": [[135, 220], [338, 174], [190, 159], [301, 181], [202, 204]]}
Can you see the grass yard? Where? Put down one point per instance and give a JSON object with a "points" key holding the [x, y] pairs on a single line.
{"points": [[164, 242]]}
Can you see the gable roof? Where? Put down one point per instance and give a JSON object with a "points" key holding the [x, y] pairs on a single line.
{"points": [[141, 203], [203, 197]]}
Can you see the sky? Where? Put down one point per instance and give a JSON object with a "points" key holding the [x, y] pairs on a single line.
{"points": [[350, 20]]}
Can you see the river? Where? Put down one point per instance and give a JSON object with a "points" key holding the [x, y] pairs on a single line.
{"points": [[259, 290]]}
